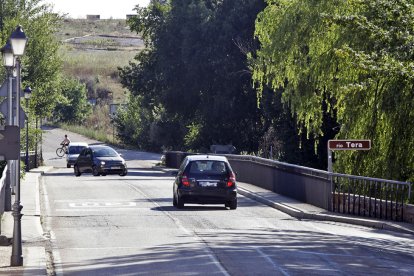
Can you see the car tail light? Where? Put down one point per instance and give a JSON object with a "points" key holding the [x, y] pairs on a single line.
{"points": [[185, 181], [231, 181]]}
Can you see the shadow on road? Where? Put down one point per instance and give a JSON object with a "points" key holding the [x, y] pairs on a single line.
{"points": [[257, 252]]}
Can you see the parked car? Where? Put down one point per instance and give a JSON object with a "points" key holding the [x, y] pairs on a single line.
{"points": [[100, 160], [73, 151], [205, 179]]}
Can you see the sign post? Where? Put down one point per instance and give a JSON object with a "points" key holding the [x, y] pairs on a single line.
{"points": [[346, 145]]}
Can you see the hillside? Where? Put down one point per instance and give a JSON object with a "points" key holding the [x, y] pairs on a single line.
{"points": [[93, 50]]}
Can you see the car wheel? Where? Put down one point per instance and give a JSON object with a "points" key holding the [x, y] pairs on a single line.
{"points": [[76, 169], [67, 166], [123, 173], [180, 203], [233, 204], [95, 171]]}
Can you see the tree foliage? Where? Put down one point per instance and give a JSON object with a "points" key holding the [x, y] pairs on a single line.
{"points": [[41, 63], [194, 77], [72, 106], [353, 57]]}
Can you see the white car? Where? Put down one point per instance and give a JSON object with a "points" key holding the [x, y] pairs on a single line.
{"points": [[73, 151]]}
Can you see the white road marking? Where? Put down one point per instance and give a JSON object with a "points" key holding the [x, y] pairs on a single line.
{"points": [[94, 209], [101, 204]]}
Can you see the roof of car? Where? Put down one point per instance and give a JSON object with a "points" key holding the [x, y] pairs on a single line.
{"points": [[99, 146], [207, 157], [78, 144]]}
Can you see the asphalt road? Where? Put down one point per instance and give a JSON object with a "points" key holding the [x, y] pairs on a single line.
{"points": [[116, 225]]}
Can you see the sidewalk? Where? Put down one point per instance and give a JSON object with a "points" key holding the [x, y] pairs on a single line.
{"points": [[33, 241], [302, 210]]}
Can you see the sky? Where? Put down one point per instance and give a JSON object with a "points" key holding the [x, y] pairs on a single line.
{"points": [[117, 9]]}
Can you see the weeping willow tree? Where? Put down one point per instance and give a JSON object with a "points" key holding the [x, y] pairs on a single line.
{"points": [[354, 58]]}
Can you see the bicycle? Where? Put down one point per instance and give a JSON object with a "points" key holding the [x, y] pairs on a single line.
{"points": [[62, 150]]}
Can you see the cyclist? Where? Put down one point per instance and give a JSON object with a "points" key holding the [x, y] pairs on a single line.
{"points": [[65, 141]]}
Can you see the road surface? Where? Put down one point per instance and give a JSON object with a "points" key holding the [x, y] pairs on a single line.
{"points": [[112, 225]]}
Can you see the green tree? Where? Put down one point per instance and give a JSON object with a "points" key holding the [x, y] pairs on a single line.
{"points": [[72, 106], [41, 63], [353, 60], [228, 111], [195, 72]]}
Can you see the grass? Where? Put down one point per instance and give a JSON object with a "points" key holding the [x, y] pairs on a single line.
{"points": [[97, 126], [80, 27], [94, 60], [95, 134], [99, 66], [103, 42], [104, 63]]}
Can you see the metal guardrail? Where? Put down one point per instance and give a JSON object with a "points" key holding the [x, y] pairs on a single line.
{"points": [[341, 193], [281, 165], [369, 197]]}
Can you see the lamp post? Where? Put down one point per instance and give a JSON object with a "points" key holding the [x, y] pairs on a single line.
{"points": [[8, 62], [8, 57], [27, 93], [18, 42]]}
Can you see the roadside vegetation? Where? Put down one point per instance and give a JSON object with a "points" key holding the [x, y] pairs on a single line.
{"points": [[41, 64], [80, 27], [233, 72], [91, 54], [245, 73]]}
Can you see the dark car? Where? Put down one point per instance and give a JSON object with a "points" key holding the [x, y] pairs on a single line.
{"points": [[205, 179], [100, 160]]}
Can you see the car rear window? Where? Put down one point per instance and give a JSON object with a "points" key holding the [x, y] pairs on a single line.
{"points": [[207, 166], [75, 149]]}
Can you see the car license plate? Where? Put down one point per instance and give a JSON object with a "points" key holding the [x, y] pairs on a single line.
{"points": [[208, 184], [116, 168]]}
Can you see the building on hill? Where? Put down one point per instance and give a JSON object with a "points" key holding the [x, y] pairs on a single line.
{"points": [[93, 16]]}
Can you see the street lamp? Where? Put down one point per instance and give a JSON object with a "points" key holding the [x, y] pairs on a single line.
{"points": [[8, 57], [18, 42], [27, 94], [9, 62]]}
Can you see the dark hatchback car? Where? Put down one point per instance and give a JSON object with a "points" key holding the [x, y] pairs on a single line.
{"points": [[100, 160], [205, 179]]}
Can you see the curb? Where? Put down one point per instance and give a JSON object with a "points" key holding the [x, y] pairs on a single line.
{"points": [[325, 217], [41, 169]]}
